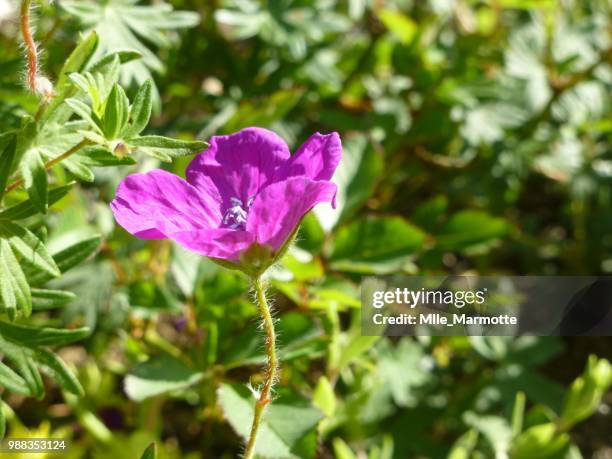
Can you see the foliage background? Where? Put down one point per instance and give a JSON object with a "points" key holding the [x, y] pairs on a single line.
{"points": [[477, 139]]}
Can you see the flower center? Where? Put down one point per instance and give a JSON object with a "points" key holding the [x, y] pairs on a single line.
{"points": [[236, 215]]}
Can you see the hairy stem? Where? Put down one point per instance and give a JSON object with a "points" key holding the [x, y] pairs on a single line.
{"points": [[271, 370], [49, 164], [30, 45]]}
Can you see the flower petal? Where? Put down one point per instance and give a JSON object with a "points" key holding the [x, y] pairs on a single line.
{"points": [[238, 165], [224, 243], [278, 209], [146, 202], [317, 158]]}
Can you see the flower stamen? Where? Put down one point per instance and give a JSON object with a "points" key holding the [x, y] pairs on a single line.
{"points": [[236, 216]]}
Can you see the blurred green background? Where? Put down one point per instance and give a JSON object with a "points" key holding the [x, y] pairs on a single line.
{"points": [[476, 139]]}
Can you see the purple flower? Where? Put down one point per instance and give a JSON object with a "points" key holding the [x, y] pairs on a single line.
{"points": [[245, 194]]}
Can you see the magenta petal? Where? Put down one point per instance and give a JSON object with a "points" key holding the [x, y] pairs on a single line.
{"points": [[317, 158], [144, 203], [238, 165], [279, 208], [222, 243]]}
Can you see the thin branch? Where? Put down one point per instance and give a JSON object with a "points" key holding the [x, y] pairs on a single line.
{"points": [[30, 44]]}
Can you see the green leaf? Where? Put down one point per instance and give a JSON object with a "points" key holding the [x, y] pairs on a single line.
{"points": [[2, 421], [428, 214], [43, 300], [464, 446], [12, 381], [34, 176], [342, 450], [25, 366], [150, 452], [404, 28], [518, 413], [172, 148], [7, 157], [70, 257], [528, 4], [26, 209], [375, 245], [14, 288], [96, 156], [470, 228], [542, 442], [32, 250], [41, 336], [288, 427], [116, 113], [254, 113], [324, 397], [79, 169], [84, 111], [119, 25], [121, 56], [76, 253], [159, 375], [401, 367], [77, 61], [586, 392], [495, 430], [355, 348], [57, 369], [140, 113]]}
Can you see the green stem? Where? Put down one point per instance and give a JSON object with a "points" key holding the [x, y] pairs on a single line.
{"points": [[30, 45], [272, 366]]}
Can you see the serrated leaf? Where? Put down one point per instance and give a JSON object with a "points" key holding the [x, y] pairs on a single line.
{"points": [[7, 157], [169, 147], [14, 288], [31, 249], [97, 156], [120, 24], [26, 367], [140, 113], [286, 428], [84, 112], [43, 299], [375, 245], [79, 169], [57, 369], [123, 56], [470, 228], [70, 257], [34, 176], [159, 375], [77, 253], [41, 336], [26, 209], [116, 113]]}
